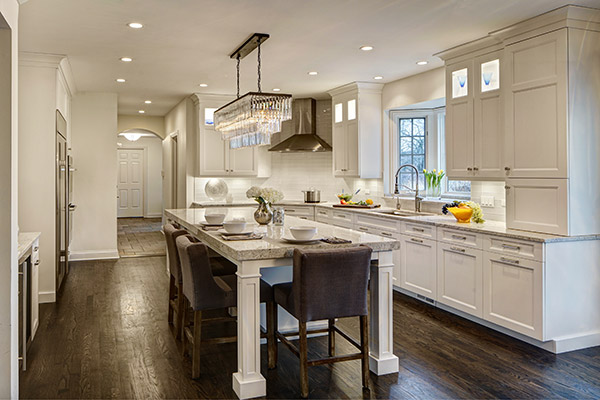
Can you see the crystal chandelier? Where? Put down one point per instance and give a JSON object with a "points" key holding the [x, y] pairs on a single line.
{"points": [[251, 119]]}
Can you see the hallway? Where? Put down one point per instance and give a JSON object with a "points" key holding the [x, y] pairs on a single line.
{"points": [[140, 237]]}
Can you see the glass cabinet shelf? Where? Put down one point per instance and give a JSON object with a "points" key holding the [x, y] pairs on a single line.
{"points": [[490, 75], [338, 113], [460, 86]]}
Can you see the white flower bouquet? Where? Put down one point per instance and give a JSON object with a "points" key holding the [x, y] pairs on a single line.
{"points": [[264, 195]]}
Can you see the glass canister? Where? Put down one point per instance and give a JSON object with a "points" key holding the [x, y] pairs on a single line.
{"points": [[278, 216]]}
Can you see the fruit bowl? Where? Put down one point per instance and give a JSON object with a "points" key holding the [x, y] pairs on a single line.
{"points": [[462, 215], [345, 196]]}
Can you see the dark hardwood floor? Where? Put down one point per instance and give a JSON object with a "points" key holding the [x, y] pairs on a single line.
{"points": [[107, 337]]}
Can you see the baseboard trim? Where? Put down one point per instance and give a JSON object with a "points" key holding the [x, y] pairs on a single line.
{"points": [[156, 215], [47, 297], [90, 255]]}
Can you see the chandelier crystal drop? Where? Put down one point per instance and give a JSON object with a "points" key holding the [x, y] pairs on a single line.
{"points": [[251, 119]]}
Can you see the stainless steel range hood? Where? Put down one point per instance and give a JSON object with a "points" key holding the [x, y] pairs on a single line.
{"points": [[304, 139]]}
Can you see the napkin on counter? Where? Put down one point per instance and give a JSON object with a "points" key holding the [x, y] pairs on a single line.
{"points": [[252, 236], [335, 240]]}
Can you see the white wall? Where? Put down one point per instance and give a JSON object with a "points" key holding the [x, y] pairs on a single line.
{"points": [[152, 172], [152, 123], [93, 142], [9, 374]]}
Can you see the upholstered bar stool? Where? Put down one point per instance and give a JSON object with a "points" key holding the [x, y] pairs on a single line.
{"points": [[205, 291], [220, 266], [327, 284]]}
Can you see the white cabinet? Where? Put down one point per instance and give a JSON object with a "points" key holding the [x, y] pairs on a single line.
{"points": [[536, 104], [512, 290], [357, 145], [460, 278], [215, 158], [538, 205], [474, 112], [35, 300], [418, 266], [302, 212]]}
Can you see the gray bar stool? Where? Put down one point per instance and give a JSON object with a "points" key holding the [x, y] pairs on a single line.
{"points": [[220, 266], [205, 291], [327, 284]]}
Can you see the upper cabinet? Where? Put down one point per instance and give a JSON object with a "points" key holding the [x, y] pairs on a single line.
{"points": [[215, 158], [474, 113], [357, 130]]}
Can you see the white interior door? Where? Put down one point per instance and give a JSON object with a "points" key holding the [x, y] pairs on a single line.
{"points": [[130, 187]]}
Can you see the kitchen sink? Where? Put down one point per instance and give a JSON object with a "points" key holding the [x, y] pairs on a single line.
{"points": [[405, 213]]}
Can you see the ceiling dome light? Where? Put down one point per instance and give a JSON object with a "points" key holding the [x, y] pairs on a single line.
{"points": [[378, 78], [141, 111], [126, 59], [120, 80], [422, 62], [148, 102], [135, 25], [203, 85], [313, 73], [366, 48], [132, 137], [276, 89]]}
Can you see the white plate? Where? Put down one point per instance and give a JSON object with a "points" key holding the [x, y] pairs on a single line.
{"points": [[296, 241], [241, 233]]}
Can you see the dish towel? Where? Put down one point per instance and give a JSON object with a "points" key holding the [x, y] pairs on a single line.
{"points": [[233, 238], [335, 240]]}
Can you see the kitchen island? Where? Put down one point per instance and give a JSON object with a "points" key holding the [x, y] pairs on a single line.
{"points": [[272, 251]]}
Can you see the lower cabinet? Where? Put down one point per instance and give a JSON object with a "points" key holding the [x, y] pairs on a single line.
{"points": [[418, 266], [460, 278], [512, 290]]}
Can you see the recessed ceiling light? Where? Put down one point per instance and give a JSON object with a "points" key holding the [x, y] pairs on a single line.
{"points": [[366, 48], [422, 62], [126, 59], [141, 111], [313, 73], [276, 89], [378, 78], [148, 102], [135, 25], [120, 80], [203, 85]]}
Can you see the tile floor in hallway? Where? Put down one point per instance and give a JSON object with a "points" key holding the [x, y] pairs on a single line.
{"points": [[138, 237]]}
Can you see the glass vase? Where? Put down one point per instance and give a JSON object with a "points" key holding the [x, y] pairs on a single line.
{"points": [[263, 214], [434, 191]]}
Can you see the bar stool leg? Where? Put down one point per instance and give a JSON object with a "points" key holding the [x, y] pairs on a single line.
{"points": [[364, 344], [303, 360], [196, 344], [172, 291], [271, 336], [331, 337], [181, 310], [184, 323]]}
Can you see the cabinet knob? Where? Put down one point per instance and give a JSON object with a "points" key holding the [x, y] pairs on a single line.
{"points": [[475, 168], [469, 169], [506, 187], [507, 169]]}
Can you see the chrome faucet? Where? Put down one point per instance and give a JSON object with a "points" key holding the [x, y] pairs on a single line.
{"points": [[416, 189]]}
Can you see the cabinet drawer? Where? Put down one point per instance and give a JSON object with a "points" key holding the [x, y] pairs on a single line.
{"points": [[515, 248], [297, 211], [323, 212], [459, 237], [416, 229], [374, 231], [343, 219], [377, 223]]}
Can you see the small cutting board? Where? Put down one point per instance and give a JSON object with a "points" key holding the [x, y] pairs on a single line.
{"points": [[356, 206]]}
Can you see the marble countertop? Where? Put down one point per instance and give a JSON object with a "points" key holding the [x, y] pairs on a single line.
{"points": [[492, 227], [25, 241], [272, 246], [249, 202]]}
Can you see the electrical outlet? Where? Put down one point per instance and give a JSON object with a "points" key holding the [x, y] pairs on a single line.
{"points": [[487, 201], [367, 191]]}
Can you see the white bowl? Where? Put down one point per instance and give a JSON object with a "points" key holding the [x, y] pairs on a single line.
{"points": [[215, 219], [303, 232], [234, 226]]}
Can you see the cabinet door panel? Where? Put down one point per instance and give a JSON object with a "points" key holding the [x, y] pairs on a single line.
{"points": [[213, 158], [242, 162], [512, 290], [352, 149], [418, 266], [460, 277], [339, 149], [488, 160], [536, 107]]}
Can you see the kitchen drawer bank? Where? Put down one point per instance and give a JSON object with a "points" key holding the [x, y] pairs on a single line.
{"points": [[539, 288]]}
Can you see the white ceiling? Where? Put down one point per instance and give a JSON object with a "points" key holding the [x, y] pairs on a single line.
{"points": [[186, 42]]}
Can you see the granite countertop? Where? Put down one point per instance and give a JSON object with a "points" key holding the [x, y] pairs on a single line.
{"points": [[491, 227], [272, 246], [249, 202], [25, 241]]}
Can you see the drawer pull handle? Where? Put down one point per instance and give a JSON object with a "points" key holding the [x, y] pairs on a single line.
{"points": [[36, 248], [303, 217], [511, 247], [386, 234], [289, 210], [362, 228], [457, 237], [509, 260], [418, 229], [416, 240], [457, 249]]}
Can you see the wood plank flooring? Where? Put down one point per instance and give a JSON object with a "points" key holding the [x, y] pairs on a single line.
{"points": [[107, 337], [140, 237]]}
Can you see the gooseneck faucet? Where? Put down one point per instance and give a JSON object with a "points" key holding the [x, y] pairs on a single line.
{"points": [[416, 189]]}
